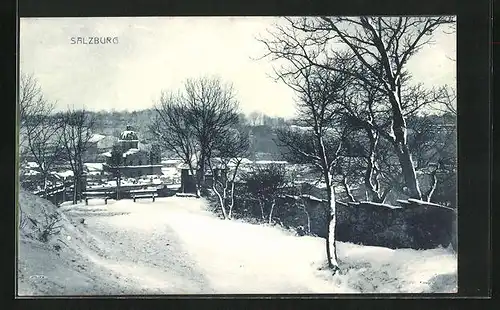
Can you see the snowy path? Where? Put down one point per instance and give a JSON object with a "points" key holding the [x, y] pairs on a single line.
{"points": [[139, 248], [174, 246]]}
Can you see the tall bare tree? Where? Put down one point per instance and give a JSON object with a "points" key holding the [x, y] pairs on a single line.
{"points": [[32, 107], [319, 143], [39, 134], [212, 109], [31, 100], [377, 50], [77, 128], [191, 122], [173, 131], [44, 146]]}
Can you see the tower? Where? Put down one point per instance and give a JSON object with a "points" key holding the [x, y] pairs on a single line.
{"points": [[128, 139]]}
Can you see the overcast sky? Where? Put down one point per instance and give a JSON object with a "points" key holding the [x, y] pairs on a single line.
{"points": [[159, 53]]}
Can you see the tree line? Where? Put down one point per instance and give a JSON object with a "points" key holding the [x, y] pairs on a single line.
{"points": [[52, 138], [352, 81]]}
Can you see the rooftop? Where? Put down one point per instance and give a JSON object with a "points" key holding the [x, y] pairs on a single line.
{"points": [[96, 138]]}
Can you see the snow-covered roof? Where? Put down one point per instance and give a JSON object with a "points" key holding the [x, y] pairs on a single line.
{"points": [[268, 162], [30, 172], [295, 127], [140, 166], [107, 142], [245, 161], [65, 174], [130, 152], [94, 166], [96, 138], [171, 161], [106, 154]]}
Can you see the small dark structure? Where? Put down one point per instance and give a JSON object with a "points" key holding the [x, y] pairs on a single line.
{"points": [[188, 182]]}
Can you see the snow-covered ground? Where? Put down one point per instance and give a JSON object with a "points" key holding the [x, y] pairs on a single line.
{"points": [[173, 245]]}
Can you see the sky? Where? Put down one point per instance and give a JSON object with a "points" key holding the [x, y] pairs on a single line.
{"points": [[160, 53]]}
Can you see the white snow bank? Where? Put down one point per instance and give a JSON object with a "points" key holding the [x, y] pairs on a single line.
{"points": [[381, 270]]}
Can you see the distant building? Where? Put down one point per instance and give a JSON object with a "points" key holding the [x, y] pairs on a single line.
{"points": [[97, 145], [138, 160]]}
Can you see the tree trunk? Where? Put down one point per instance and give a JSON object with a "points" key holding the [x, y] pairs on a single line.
{"points": [[433, 187], [384, 195], [347, 189], [196, 178], [82, 187], [221, 199], [45, 185], [307, 217], [198, 191], [201, 171], [401, 147], [261, 204], [118, 187], [231, 204], [331, 248], [75, 190], [271, 211], [408, 170], [371, 188]]}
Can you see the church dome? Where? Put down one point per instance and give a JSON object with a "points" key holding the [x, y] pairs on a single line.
{"points": [[129, 134]]}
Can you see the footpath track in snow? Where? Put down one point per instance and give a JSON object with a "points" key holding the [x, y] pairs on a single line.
{"points": [[139, 248], [174, 246]]}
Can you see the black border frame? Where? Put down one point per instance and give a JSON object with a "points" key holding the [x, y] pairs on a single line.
{"points": [[474, 108]]}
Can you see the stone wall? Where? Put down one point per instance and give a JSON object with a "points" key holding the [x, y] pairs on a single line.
{"points": [[418, 227]]}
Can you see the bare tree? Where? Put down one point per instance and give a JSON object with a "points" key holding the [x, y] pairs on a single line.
{"points": [[229, 151], [31, 101], [433, 141], [378, 50], [77, 128], [448, 101], [174, 132], [39, 134], [212, 108], [264, 185], [319, 142], [115, 162], [361, 112], [44, 145], [190, 122]]}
